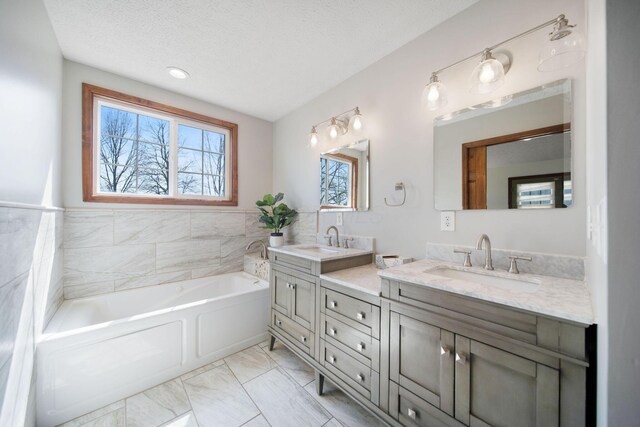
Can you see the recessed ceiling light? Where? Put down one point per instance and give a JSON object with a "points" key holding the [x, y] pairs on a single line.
{"points": [[178, 73]]}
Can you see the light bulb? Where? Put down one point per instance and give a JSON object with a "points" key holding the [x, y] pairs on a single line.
{"points": [[435, 94], [313, 137], [488, 75], [333, 129], [177, 73], [356, 121]]}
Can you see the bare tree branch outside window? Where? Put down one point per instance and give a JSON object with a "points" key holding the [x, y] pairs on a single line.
{"points": [[117, 151], [335, 182]]}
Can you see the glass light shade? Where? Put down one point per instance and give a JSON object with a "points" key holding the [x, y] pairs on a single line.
{"points": [[561, 52], [356, 121], [313, 137], [334, 129], [435, 95], [487, 76]]}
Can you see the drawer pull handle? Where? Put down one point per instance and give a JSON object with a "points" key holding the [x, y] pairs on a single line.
{"points": [[360, 316], [332, 359], [278, 322], [291, 285], [288, 285], [444, 350], [360, 378], [360, 347], [411, 413], [461, 358], [332, 331], [303, 339], [333, 304]]}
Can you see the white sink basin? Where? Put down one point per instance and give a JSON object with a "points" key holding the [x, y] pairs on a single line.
{"points": [[318, 249], [484, 279]]}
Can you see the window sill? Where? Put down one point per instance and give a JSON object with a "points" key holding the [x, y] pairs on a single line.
{"points": [[100, 198]]}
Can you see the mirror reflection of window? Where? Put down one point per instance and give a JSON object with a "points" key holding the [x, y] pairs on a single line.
{"points": [[336, 181]]}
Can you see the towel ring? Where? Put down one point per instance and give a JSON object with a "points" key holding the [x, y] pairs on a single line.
{"points": [[399, 186]]}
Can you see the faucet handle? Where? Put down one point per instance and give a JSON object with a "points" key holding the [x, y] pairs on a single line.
{"points": [[513, 265], [467, 256], [345, 242], [329, 240]]}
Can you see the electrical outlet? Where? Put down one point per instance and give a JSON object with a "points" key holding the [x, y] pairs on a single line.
{"points": [[448, 221], [339, 218]]}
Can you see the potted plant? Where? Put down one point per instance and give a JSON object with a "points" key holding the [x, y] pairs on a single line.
{"points": [[279, 217]]}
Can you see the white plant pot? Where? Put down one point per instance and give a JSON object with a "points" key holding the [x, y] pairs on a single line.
{"points": [[276, 240]]}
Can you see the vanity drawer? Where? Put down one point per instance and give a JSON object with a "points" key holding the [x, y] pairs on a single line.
{"points": [[358, 376], [294, 262], [298, 335], [410, 410], [359, 314], [358, 345]]}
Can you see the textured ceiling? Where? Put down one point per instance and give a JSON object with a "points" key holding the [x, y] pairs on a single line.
{"points": [[263, 58]]}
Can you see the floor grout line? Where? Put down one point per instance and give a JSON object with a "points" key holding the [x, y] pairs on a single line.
{"points": [[189, 400]]}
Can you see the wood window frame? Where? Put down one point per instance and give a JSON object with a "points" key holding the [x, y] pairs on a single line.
{"points": [[91, 93], [354, 181], [558, 179], [502, 139]]}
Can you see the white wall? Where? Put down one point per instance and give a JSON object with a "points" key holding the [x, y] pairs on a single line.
{"points": [[30, 225], [30, 88], [623, 176], [254, 135], [388, 94]]}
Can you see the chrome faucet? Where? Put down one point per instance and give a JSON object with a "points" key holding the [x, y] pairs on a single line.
{"points": [[263, 250], [484, 239], [333, 227]]}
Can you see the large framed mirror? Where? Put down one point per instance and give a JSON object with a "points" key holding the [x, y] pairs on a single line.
{"points": [[510, 153], [344, 178]]}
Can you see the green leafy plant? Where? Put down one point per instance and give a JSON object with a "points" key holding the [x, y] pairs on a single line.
{"points": [[280, 216]]}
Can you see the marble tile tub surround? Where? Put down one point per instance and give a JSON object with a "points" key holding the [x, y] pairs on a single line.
{"points": [[254, 387], [30, 294], [111, 250], [563, 266]]}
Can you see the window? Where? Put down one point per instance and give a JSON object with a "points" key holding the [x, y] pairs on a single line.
{"points": [[338, 181], [139, 151], [540, 191]]}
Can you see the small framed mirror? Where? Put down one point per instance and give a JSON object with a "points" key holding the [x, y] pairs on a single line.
{"points": [[510, 153], [344, 178]]}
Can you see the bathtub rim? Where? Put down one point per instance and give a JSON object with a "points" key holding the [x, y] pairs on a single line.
{"points": [[52, 333]]}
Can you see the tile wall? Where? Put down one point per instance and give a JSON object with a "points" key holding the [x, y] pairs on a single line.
{"points": [[111, 250], [30, 294]]}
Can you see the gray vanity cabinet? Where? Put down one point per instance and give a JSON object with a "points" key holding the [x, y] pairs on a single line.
{"points": [[293, 303], [420, 360], [487, 379], [456, 361]]}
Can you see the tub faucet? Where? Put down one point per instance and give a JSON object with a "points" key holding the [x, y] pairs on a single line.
{"points": [[333, 227], [263, 250], [484, 239]]}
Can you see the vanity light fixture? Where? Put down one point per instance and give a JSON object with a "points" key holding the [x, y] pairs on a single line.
{"points": [[435, 93], [177, 73], [338, 125], [313, 137], [488, 75], [564, 48]]}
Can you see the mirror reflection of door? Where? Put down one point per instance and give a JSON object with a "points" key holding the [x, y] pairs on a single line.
{"points": [[490, 181]]}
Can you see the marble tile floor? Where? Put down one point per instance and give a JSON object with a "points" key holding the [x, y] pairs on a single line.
{"points": [[254, 387]]}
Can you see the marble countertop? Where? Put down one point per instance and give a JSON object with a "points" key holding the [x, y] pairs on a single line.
{"points": [[316, 252], [560, 298], [364, 278]]}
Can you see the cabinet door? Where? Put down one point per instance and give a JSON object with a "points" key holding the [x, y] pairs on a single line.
{"points": [[281, 292], [303, 302], [497, 388], [421, 360]]}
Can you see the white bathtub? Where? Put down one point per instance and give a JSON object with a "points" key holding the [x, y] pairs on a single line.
{"points": [[100, 349]]}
